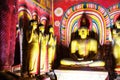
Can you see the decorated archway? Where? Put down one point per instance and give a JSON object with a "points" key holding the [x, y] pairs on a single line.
{"points": [[114, 12], [100, 21]]}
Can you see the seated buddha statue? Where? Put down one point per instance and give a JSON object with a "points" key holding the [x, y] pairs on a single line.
{"points": [[84, 46], [84, 49]]}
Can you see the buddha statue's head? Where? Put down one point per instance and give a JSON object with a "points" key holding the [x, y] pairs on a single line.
{"points": [[41, 28], [83, 32], [51, 29], [43, 20], [34, 15], [84, 26], [33, 24]]}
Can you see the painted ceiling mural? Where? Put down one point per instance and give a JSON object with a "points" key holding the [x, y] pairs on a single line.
{"points": [[29, 7], [102, 18]]}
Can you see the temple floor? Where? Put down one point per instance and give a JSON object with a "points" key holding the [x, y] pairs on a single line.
{"points": [[63, 73]]}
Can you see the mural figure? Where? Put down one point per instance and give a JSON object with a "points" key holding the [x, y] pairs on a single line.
{"points": [[42, 2]]}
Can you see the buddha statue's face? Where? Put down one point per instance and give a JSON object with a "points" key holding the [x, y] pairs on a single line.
{"points": [[44, 22], [41, 28], [34, 24], [117, 23], [83, 32], [34, 17], [51, 30]]}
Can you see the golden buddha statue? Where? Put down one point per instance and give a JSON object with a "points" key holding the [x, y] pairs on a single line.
{"points": [[51, 47], [84, 44], [32, 48], [43, 49], [84, 50], [116, 38]]}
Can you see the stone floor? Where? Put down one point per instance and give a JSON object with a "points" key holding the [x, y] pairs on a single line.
{"points": [[6, 75], [16, 75]]}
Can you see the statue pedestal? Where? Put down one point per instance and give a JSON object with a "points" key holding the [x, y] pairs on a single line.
{"points": [[81, 74]]}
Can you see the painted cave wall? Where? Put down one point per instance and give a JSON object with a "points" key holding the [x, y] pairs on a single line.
{"points": [[68, 12], [8, 20], [31, 6]]}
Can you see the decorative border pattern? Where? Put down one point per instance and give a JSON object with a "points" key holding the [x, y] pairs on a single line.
{"points": [[100, 21], [114, 12]]}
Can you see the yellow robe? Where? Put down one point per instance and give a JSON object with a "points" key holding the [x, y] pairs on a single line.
{"points": [[43, 54], [116, 49], [84, 46], [51, 50], [33, 52]]}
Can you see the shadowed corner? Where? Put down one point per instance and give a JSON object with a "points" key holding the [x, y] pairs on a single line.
{"points": [[6, 75]]}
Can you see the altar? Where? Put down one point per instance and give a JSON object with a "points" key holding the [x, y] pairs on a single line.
{"points": [[81, 73]]}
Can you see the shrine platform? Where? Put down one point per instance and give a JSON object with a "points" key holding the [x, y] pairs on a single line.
{"points": [[81, 73], [63, 73]]}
